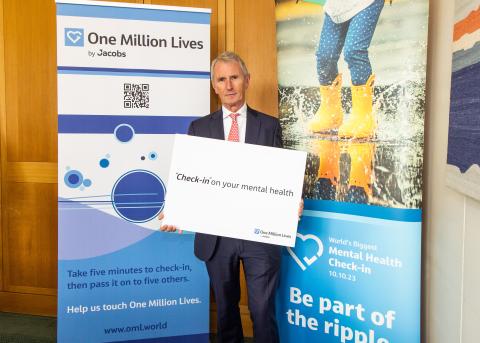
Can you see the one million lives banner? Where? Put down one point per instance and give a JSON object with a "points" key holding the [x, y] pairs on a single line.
{"points": [[129, 77], [354, 274]]}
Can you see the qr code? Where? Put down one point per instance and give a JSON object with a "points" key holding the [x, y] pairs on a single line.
{"points": [[136, 95]]}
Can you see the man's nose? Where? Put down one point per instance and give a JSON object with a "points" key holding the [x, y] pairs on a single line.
{"points": [[229, 84]]}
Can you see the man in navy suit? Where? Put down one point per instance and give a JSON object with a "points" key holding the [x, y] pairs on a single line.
{"points": [[222, 255]]}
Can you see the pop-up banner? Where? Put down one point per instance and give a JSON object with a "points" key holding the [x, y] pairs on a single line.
{"points": [[129, 78], [352, 93]]}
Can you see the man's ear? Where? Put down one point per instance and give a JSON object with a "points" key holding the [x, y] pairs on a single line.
{"points": [[247, 81], [214, 88]]}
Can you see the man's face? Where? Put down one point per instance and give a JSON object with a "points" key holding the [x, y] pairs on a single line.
{"points": [[230, 84]]}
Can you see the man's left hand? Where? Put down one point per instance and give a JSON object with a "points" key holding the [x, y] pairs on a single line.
{"points": [[167, 228]]}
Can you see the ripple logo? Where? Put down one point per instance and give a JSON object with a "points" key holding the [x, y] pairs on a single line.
{"points": [[306, 261], [257, 231], [73, 37]]}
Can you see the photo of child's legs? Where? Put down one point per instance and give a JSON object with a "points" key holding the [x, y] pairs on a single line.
{"points": [[353, 37]]}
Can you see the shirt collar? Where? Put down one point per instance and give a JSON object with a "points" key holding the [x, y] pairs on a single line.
{"points": [[242, 111]]}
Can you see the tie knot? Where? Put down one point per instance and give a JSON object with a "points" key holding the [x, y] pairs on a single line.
{"points": [[234, 116]]}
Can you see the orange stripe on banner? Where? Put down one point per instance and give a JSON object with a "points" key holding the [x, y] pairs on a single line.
{"points": [[467, 25]]}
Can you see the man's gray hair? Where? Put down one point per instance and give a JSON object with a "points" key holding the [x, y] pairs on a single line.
{"points": [[229, 56]]}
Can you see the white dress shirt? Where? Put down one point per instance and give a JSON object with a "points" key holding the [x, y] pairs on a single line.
{"points": [[241, 120]]}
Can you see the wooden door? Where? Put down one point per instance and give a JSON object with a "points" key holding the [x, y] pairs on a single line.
{"points": [[28, 156]]}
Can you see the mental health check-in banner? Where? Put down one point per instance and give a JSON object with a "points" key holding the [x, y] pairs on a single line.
{"points": [[351, 93], [129, 78]]}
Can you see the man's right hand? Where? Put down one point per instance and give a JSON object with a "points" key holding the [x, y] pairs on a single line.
{"points": [[167, 228]]}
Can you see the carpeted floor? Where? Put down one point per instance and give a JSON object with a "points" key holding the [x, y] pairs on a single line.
{"points": [[21, 328]]}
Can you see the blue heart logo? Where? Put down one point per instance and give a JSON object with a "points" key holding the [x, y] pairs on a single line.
{"points": [[74, 37]]}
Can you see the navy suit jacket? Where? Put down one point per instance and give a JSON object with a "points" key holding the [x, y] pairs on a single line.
{"points": [[261, 129]]}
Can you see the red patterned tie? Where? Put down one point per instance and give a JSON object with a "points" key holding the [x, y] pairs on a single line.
{"points": [[233, 134]]}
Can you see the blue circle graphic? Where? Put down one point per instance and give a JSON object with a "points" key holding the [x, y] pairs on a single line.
{"points": [[104, 163], [152, 155], [87, 182], [124, 133], [73, 178], [138, 196]]}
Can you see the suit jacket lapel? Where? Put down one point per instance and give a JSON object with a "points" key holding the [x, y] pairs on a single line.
{"points": [[253, 127], [216, 126]]}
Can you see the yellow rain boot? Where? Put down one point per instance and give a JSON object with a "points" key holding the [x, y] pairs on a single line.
{"points": [[361, 163], [329, 115], [329, 155], [328, 175], [361, 123]]}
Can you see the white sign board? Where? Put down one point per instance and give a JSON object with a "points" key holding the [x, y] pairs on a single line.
{"points": [[235, 190]]}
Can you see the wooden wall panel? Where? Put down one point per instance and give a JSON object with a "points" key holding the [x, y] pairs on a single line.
{"points": [[3, 143], [127, 1], [29, 136], [30, 241], [31, 80], [255, 41], [42, 305]]}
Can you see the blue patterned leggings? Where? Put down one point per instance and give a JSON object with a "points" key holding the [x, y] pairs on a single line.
{"points": [[353, 37]]}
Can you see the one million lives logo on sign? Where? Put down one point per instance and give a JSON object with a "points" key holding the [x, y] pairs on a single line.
{"points": [[74, 37]]}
